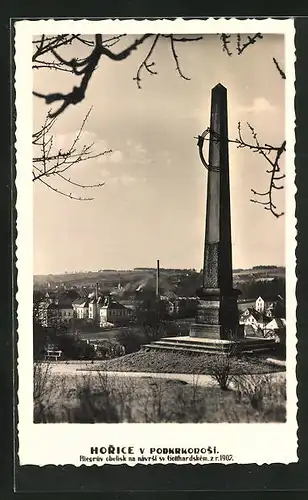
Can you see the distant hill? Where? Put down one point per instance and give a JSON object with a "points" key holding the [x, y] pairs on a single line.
{"points": [[181, 282], [259, 272]]}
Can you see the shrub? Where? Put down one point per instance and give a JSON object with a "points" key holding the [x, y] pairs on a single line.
{"points": [[131, 340], [220, 370], [42, 390], [222, 364], [254, 387], [111, 348], [94, 406]]}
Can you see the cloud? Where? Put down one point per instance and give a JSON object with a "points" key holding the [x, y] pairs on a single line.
{"points": [[87, 138], [137, 153], [115, 156], [259, 105], [125, 180], [66, 141]]}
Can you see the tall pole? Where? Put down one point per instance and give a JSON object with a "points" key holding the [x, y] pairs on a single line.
{"points": [[157, 281], [157, 293]]}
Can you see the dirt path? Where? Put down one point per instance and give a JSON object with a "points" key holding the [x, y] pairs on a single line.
{"points": [[200, 380]]}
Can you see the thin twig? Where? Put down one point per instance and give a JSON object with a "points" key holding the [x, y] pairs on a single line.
{"points": [[52, 163], [67, 195], [176, 59], [282, 73], [146, 64], [266, 151], [226, 40], [84, 68]]}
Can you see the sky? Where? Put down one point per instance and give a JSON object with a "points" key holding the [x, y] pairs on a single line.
{"points": [[152, 205]]}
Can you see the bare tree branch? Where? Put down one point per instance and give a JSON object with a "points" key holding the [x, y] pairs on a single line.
{"points": [[84, 68], [275, 168], [240, 46], [67, 195], [272, 154], [47, 55], [282, 73], [146, 64], [250, 41], [52, 163], [176, 59], [226, 40]]}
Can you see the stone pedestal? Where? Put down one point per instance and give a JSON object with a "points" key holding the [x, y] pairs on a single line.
{"points": [[217, 316]]}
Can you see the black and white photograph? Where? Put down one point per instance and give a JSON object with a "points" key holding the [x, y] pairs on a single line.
{"points": [[156, 240]]}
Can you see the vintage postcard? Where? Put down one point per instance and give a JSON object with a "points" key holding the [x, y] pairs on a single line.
{"points": [[156, 242]]}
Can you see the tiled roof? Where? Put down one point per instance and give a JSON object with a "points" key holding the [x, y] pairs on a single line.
{"points": [[271, 298], [97, 300], [81, 301], [256, 314], [114, 305], [279, 322], [65, 304], [52, 305]]}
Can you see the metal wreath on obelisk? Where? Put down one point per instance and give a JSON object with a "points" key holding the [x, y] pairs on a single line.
{"points": [[217, 313]]}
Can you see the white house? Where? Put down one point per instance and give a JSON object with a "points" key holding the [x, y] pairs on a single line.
{"points": [[81, 307], [95, 304], [268, 305], [253, 319], [113, 312], [274, 327]]}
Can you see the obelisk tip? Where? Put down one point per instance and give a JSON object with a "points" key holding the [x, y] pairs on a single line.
{"points": [[219, 87]]}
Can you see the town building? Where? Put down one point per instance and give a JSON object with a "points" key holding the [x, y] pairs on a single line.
{"points": [[66, 311], [112, 312], [81, 307], [95, 304], [254, 319], [48, 314], [276, 328], [271, 306]]}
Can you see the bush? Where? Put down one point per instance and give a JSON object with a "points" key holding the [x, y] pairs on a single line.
{"points": [[131, 340], [254, 387], [220, 370], [94, 406], [222, 365], [102, 397], [111, 348], [42, 390]]}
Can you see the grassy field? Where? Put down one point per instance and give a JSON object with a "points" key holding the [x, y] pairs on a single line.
{"points": [[170, 362], [104, 398]]}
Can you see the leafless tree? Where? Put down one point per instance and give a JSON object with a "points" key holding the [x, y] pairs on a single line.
{"points": [[272, 155], [52, 163], [46, 55]]}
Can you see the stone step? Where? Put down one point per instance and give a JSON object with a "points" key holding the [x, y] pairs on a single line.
{"points": [[210, 343], [199, 347], [174, 348], [204, 347]]}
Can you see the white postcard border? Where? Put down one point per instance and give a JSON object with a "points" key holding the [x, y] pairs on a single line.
{"points": [[249, 443]]}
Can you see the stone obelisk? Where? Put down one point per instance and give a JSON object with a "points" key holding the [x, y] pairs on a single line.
{"points": [[217, 313]]}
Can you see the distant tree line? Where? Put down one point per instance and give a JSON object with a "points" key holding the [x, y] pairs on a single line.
{"points": [[266, 267], [252, 289]]}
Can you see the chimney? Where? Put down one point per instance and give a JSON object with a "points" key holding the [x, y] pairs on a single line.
{"points": [[157, 281], [96, 291]]}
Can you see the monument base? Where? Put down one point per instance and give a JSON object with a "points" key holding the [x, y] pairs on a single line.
{"points": [[202, 330], [199, 345]]}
